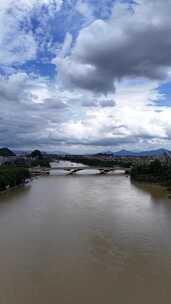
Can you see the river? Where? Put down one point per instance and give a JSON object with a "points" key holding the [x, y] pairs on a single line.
{"points": [[85, 239]]}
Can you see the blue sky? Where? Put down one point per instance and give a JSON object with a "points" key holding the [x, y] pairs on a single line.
{"points": [[85, 76], [70, 18]]}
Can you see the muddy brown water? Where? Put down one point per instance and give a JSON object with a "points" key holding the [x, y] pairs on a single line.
{"points": [[85, 239]]}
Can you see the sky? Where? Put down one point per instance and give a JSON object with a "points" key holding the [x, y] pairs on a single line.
{"points": [[85, 76]]}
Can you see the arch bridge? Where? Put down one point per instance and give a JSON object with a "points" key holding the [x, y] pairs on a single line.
{"points": [[102, 170], [73, 170]]}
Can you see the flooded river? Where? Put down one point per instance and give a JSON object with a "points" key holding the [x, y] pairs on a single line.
{"points": [[85, 239]]}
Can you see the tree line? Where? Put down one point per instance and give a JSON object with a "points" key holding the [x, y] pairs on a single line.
{"points": [[96, 162], [154, 171], [11, 176]]}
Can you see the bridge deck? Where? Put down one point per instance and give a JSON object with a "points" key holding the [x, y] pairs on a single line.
{"points": [[88, 168], [73, 170]]}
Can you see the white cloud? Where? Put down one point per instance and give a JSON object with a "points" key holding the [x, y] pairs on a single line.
{"points": [[18, 43], [35, 110], [84, 8], [39, 112], [131, 122], [132, 43]]}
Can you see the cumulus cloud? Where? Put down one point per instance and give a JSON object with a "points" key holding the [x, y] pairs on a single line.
{"points": [[36, 112], [84, 8], [134, 42], [30, 108], [105, 93], [98, 102], [18, 42], [132, 122]]}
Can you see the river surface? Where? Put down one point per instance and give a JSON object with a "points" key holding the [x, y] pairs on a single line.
{"points": [[85, 239]]}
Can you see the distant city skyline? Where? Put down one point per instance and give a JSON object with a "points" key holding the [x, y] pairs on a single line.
{"points": [[85, 76]]}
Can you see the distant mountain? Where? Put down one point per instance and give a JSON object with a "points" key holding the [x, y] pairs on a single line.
{"points": [[125, 153], [158, 152], [6, 152]]}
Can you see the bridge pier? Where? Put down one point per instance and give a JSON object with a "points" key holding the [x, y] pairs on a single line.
{"points": [[104, 171], [72, 171]]}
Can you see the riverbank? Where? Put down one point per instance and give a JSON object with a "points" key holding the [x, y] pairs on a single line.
{"points": [[12, 176], [154, 172], [153, 181], [15, 187]]}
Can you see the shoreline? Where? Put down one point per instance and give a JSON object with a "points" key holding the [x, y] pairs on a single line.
{"points": [[14, 187], [153, 182]]}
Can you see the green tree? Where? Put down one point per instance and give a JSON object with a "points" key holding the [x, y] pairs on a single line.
{"points": [[12, 176], [36, 154]]}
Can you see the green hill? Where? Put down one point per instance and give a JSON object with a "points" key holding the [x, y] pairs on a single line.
{"points": [[6, 152]]}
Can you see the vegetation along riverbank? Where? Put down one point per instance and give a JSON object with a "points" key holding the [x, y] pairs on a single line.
{"points": [[155, 171], [12, 176]]}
